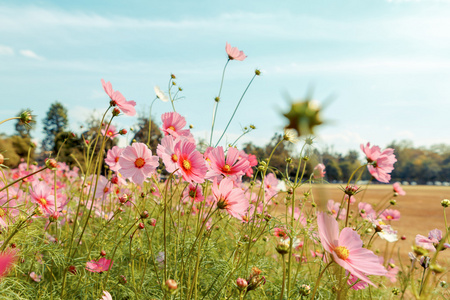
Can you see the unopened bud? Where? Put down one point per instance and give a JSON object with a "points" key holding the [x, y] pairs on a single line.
{"points": [[141, 225], [283, 247], [144, 214], [123, 131], [116, 112], [122, 279], [392, 202], [241, 283], [171, 285], [217, 99], [305, 290], [445, 203], [173, 76], [103, 253], [51, 163]]}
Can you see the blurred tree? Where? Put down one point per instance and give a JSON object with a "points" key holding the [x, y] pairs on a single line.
{"points": [[141, 134], [55, 123], [15, 149]]}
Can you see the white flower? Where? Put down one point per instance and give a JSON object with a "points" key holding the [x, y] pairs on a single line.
{"points": [[160, 94]]}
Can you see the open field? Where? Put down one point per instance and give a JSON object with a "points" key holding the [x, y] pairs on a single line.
{"points": [[420, 209]]}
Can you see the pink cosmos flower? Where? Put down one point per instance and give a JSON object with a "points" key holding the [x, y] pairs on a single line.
{"points": [[384, 231], [319, 171], [35, 276], [380, 163], [398, 189], [99, 266], [251, 160], [7, 259], [366, 210], [433, 240], [111, 132], [230, 198], [390, 215], [118, 99], [280, 232], [194, 192], [234, 53], [226, 166], [346, 249], [41, 193], [190, 162], [173, 124], [106, 296], [112, 158], [334, 208], [166, 150], [137, 162]]}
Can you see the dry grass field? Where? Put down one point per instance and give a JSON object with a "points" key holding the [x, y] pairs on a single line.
{"points": [[420, 209]]}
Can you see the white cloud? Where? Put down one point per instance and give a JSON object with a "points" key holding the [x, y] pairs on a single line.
{"points": [[5, 50], [30, 54]]}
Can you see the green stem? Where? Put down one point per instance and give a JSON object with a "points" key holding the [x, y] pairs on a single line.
{"points": [[235, 109], [150, 123], [22, 178], [316, 286], [284, 277], [9, 120], [216, 104]]}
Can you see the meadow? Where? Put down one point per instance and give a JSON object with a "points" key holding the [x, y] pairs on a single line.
{"points": [[191, 220]]}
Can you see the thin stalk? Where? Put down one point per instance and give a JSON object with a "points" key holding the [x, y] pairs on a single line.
{"points": [[235, 109], [9, 120], [22, 178], [216, 104]]}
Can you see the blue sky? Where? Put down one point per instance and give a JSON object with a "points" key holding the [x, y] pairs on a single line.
{"points": [[386, 64]]}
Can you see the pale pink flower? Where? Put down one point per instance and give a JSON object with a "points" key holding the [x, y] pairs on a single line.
{"points": [[366, 210], [398, 189], [106, 296], [230, 198], [319, 171], [234, 53], [346, 249], [190, 162], [112, 158], [99, 266], [379, 163], [110, 132], [35, 276], [41, 193], [390, 215], [118, 99], [432, 242], [226, 166], [355, 284], [103, 186], [166, 150], [137, 162], [334, 208], [173, 124], [251, 160], [384, 231]]}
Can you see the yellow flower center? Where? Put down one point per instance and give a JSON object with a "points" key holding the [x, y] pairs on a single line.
{"points": [[186, 164], [389, 217], [110, 133], [2, 213], [172, 128], [43, 201], [174, 158], [226, 168], [139, 163], [342, 252]]}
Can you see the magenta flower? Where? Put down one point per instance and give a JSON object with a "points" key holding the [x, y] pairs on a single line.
{"points": [[234, 53], [230, 198], [390, 215], [229, 166], [112, 158], [111, 132], [398, 189], [35, 277], [194, 192], [118, 99], [190, 162], [99, 266], [433, 240], [41, 193], [379, 163], [137, 162], [346, 249], [7, 259]]}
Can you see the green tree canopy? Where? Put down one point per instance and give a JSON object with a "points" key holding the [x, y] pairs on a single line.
{"points": [[55, 123]]}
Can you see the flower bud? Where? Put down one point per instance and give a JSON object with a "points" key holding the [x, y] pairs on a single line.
{"points": [[173, 76], [141, 225], [103, 253], [53, 217], [114, 180], [241, 283], [445, 203], [217, 99], [305, 290], [116, 112], [73, 270], [171, 285], [252, 126], [403, 237], [283, 247], [144, 214], [392, 202], [122, 279], [38, 211], [257, 72], [51, 163], [395, 291]]}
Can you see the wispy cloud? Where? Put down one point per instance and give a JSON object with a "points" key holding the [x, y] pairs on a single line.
{"points": [[5, 50], [30, 54]]}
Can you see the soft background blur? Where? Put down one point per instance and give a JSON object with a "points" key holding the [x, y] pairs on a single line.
{"points": [[385, 64]]}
